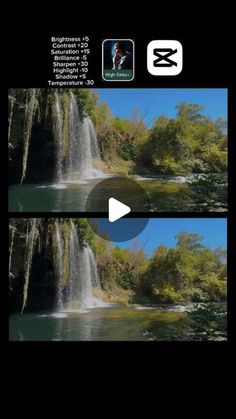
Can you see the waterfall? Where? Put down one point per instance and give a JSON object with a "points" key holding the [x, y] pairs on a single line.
{"points": [[83, 276], [88, 280], [58, 134], [59, 266], [94, 270], [74, 260], [94, 141], [77, 160], [83, 146]]}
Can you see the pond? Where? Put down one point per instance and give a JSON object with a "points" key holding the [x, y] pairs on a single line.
{"points": [[166, 193], [120, 323]]}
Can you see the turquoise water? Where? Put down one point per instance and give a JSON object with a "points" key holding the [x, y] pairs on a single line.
{"points": [[163, 196], [112, 323], [165, 193]]}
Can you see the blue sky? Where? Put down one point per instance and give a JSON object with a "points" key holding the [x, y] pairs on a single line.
{"points": [[163, 231], [155, 102]]}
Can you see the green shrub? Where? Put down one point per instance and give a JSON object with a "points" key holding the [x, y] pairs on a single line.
{"points": [[216, 289], [168, 295]]}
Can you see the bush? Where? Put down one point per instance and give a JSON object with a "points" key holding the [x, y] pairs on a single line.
{"points": [[209, 189], [127, 279], [168, 295], [208, 322], [195, 295], [215, 288]]}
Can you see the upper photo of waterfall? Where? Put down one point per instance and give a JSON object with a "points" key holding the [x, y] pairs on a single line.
{"points": [[171, 142], [67, 283]]}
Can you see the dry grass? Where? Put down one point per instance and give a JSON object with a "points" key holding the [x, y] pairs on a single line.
{"points": [[116, 166], [117, 295]]}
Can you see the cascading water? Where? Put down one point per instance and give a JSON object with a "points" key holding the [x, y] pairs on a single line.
{"points": [[76, 160], [83, 147], [88, 279], [74, 260], [83, 275], [94, 141], [59, 266], [94, 270], [58, 133]]}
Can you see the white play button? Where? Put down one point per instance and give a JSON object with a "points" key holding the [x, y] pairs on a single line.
{"points": [[117, 210]]}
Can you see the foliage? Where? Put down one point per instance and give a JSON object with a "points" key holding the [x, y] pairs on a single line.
{"points": [[215, 288], [209, 190], [84, 231], [123, 266], [86, 99], [190, 112], [208, 322], [189, 272], [168, 295], [189, 241], [187, 143], [31, 106]]}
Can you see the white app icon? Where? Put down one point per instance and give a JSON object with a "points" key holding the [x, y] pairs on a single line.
{"points": [[164, 58]]}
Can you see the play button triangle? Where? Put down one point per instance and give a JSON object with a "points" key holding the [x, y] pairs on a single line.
{"points": [[117, 210]]}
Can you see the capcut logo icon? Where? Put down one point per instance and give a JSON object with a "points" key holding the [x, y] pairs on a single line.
{"points": [[164, 58]]}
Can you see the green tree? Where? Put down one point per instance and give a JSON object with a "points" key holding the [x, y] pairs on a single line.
{"points": [[189, 111], [191, 142], [191, 241], [188, 272]]}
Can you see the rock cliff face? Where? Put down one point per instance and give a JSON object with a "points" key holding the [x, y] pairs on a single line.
{"points": [[50, 266], [30, 139], [50, 137]]}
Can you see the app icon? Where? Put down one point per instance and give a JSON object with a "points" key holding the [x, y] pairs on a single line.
{"points": [[118, 60], [164, 58]]}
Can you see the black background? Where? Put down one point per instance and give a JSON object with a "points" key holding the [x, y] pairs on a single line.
{"points": [[207, 63], [208, 59]]}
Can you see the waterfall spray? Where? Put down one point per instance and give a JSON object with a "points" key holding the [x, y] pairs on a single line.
{"points": [[77, 292], [58, 134], [83, 147], [59, 266], [76, 160]]}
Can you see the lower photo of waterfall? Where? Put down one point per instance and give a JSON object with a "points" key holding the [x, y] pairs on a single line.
{"points": [[69, 282], [171, 142]]}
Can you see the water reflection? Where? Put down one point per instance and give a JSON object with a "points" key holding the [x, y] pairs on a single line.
{"points": [[71, 197], [166, 193], [75, 328], [118, 324]]}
